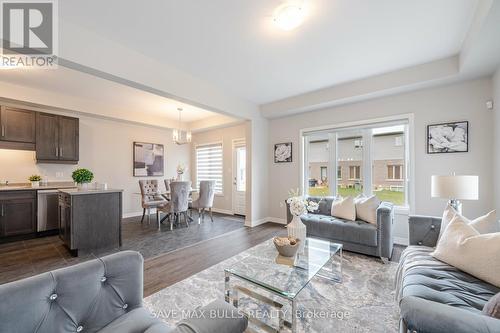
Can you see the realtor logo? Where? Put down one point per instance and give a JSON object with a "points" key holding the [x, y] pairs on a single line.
{"points": [[28, 33]]}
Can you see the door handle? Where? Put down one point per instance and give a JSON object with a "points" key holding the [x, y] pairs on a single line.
{"points": [[3, 131], [60, 152], [57, 152], [3, 212]]}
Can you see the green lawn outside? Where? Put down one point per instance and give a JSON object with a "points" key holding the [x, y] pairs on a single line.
{"points": [[397, 198]]}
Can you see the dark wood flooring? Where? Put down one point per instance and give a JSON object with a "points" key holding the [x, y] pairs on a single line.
{"points": [[25, 258], [169, 258]]}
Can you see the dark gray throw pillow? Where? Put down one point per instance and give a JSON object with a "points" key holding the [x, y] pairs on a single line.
{"points": [[492, 307]]}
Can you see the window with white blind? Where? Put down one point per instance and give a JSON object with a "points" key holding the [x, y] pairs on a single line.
{"points": [[209, 165]]}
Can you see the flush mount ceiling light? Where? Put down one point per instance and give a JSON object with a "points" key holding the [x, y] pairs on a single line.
{"points": [[289, 16], [179, 136]]}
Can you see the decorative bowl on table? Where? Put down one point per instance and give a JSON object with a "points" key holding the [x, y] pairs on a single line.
{"points": [[286, 246]]}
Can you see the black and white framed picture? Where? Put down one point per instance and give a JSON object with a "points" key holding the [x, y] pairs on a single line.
{"points": [[148, 159], [448, 138], [283, 152]]}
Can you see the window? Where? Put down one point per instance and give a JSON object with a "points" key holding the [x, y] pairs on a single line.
{"points": [[371, 158], [394, 172], [354, 172], [324, 174], [209, 165], [241, 171], [317, 166]]}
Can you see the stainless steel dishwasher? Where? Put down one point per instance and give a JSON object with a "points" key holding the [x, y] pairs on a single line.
{"points": [[48, 206]]}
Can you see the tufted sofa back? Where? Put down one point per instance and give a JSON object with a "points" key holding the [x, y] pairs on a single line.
{"points": [[81, 298]]}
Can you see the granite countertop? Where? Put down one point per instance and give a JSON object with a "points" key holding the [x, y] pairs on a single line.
{"points": [[77, 191], [27, 186]]}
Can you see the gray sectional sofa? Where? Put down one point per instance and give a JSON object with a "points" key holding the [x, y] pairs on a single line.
{"points": [[356, 236], [102, 295], [435, 297]]}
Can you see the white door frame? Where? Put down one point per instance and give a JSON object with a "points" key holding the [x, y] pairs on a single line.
{"points": [[241, 142]]}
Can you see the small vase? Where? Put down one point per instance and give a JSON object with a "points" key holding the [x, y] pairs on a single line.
{"points": [[180, 177], [297, 229], [35, 184]]}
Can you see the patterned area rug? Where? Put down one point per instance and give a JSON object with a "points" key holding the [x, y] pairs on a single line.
{"points": [[363, 302]]}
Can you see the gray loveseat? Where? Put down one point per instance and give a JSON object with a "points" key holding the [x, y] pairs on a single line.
{"points": [[356, 236], [102, 295], [435, 297]]}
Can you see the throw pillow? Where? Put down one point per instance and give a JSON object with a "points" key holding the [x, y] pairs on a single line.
{"points": [[366, 209], [344, 208], [484, 224], [465, 248], [492, 307], [448, 215]]}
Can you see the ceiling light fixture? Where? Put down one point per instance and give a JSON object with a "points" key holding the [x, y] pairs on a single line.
{"points": [[179, 136], [289, 16]]}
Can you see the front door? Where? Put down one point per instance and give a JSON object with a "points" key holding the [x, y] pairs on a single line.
{"points": [[239, 177]]}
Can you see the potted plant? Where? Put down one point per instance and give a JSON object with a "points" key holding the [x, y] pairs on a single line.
{"points": [[82, 177], [35, 180]]}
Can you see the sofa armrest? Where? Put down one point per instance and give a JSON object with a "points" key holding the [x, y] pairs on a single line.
{"points": [[424, 230], [216, 317], [425, 316], [385, 224]]}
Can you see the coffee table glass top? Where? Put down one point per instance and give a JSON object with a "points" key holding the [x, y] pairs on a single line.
{"points": [[282, 275]]}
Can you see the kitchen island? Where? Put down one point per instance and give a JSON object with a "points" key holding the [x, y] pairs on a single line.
{"points": [[90, 220]]}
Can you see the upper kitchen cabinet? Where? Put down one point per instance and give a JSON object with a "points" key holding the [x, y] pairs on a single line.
{"points": [[17, 128], [57, 139]]}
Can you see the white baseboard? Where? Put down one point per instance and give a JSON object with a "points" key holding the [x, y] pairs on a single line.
{"points": [[222, 211], [134, 214], [278, 220], [401, 241], [153, 211]]}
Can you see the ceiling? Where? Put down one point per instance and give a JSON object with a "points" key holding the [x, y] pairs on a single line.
{"points": [[235, 46], [108, 98]]}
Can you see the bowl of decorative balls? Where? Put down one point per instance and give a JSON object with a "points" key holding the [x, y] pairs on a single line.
{"points": [[286, 246]]}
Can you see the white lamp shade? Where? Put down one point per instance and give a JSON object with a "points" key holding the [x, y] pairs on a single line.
{"points": [[455, 187]]}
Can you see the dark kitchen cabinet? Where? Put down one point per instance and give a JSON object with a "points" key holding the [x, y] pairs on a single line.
{"points": [[17, 213], [90, 220], [57, 139], [17, 128]]}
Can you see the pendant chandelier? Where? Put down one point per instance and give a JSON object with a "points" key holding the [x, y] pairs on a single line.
{"points": [[180, 136]]}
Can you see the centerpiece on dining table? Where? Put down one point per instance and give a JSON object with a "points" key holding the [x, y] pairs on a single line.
{"points": [[181, 169]]}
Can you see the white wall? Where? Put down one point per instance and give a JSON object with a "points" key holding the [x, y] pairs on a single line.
{"points": [[463, 101], [106, 149], [222, 203], [496, 131]]}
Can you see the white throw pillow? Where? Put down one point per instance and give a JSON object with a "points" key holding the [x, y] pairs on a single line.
{"points": [[484, 224], [465, 248], [366, 209], [448, 215], [344, 208]]}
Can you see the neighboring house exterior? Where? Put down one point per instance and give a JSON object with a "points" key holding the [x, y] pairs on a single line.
{"points": [[388, 166]]}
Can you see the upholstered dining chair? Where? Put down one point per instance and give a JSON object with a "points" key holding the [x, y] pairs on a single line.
{"points": [[179, 203], [205, 199], [150, 197]]}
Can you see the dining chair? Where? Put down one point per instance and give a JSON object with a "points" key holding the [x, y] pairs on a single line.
{"points": [[150, 197], [178, 205], [205, 199]]}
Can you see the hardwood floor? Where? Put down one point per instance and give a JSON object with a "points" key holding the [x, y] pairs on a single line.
{"points": [[167, 269], [170, 257], [25, 258]]}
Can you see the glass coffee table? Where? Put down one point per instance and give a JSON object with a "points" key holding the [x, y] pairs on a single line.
{"points": [[264, 270]]}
